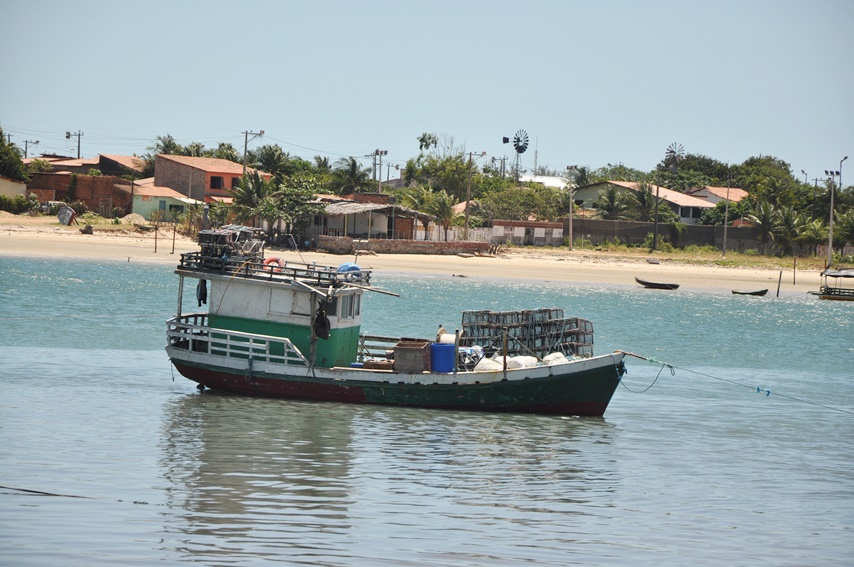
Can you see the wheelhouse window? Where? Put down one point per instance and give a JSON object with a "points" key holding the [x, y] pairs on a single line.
{"points": [[350, 306]]}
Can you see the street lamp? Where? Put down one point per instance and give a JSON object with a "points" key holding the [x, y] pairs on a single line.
{"points": [[379, 170], [78, 133], [26, 144], [830, 229]]}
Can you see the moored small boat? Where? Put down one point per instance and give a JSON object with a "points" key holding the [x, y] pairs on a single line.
{"points": [[836, 291], [759, 292], [656, 285], [293, 330]]}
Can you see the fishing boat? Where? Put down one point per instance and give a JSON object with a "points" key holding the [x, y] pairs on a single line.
{"points": [[759, 292], [836, 291], [284, 329], [656, 285]]}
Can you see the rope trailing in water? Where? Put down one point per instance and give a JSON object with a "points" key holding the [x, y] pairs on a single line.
{"points": [[757, 389], [43, 493]]}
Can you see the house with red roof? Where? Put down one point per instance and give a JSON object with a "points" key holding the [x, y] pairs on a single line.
{"points": [[688, 208], [715, 195], [201, 178], [148, 197]]}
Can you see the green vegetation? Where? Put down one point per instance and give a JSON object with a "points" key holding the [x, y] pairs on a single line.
{"points": [[791, 216]]}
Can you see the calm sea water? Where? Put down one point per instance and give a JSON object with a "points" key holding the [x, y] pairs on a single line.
{"points": [[109, 457]]}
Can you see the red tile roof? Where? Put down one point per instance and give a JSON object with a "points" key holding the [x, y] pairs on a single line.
{"points": [[675, 197], [735, 194], [154, 191], [210, 165], [130, 162]]}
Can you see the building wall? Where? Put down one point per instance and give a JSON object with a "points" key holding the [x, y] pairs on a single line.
{"points": [[145, 205], [12, 188], [182, 178], [98, 193], [345, 245], [598, 231]]}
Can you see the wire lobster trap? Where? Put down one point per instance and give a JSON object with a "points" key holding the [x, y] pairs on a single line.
{"points": [[537, 332]]}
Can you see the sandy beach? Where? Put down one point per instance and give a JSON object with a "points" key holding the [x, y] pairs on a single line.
{"points": [[45, 237]]}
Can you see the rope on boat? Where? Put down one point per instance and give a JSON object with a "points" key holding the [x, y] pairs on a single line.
{"points": [[757, 389], [43, 493]]}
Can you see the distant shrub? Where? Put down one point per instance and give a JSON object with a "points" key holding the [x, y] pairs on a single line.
{"points": [[693, 248], [666, 247], [19, 204]]}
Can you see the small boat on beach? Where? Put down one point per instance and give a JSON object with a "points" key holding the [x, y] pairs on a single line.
{"points": [[656, 285], [836, 291], [292, 330], [759, 292]]}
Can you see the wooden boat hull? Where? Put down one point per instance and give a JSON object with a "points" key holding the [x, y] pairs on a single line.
{"points": [[656, 285], [836, 296], [759, 292], [583, 387]]}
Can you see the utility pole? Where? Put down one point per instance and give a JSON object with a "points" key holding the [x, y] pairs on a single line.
{"points": [[830, 227], [378, 171], [500, 160], [246, 139], [8, 138], [78, 134], [26, 146]]}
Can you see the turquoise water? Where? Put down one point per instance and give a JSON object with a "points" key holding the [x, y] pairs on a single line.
{"points": [[109, 457]]}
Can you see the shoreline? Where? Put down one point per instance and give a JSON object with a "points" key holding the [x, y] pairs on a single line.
{"points": [[43, 237]]}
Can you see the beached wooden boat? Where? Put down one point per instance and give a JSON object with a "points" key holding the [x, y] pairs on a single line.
{"points": [[656, 285], [293, 330], [836, 291], [759, 292]]}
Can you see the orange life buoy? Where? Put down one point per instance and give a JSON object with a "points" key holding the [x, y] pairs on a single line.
{"points": [[274, 260]]}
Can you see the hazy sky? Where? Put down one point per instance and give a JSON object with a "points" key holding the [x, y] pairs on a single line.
{"points": [[592, 83]]}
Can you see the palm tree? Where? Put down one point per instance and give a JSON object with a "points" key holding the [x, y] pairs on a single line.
{"points": [[250, 196], [812, 234], [416, 198], [642, 203], [765, 221], [322, 165], [843, 228], [194, 149], [612, 204], [272, 159], [441, 206], [166, 145], [788, 229], [227, 151], [350, 177]]}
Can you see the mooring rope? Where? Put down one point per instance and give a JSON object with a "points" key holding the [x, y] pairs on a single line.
{"points": [[58, 495], [757, 389]]}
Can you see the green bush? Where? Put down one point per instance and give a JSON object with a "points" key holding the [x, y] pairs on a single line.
{"points": [[19, 204], [693, 248], [665, 247]]}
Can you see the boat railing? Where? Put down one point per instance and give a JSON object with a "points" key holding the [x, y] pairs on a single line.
{"points": [[274, 268], [838, 291], [375, 346], [191, 332]]}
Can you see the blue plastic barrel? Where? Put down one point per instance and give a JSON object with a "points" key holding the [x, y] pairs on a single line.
{"points": [[442, 357]]}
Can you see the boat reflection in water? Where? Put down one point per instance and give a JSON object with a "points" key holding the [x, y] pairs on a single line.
{"points": [[321, 482]]}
